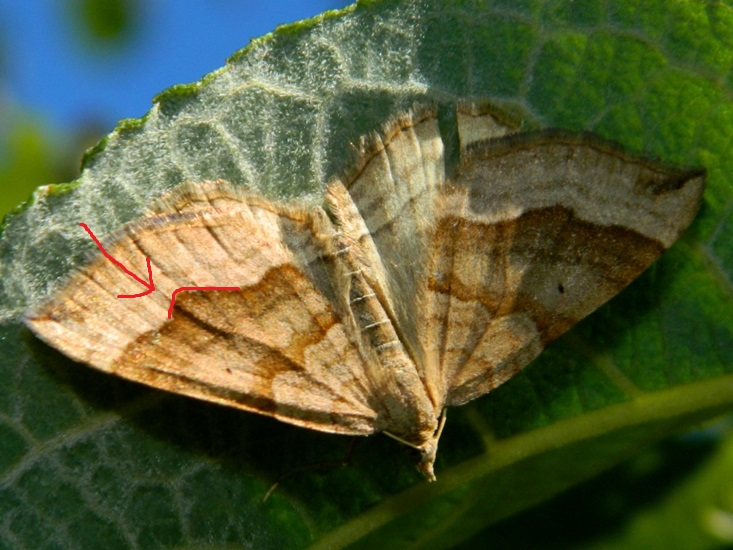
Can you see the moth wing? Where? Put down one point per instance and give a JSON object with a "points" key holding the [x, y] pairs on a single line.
{"points": [[277, 346], [537, 232], [385, 208]]}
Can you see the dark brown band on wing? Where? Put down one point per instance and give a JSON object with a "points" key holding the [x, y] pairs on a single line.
{"points": [[532, 254]]}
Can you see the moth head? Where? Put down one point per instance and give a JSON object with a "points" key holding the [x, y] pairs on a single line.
{"points": [[429, 449], [427, 459]]}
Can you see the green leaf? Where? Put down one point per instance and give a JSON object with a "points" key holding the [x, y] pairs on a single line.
{"points": [[87, 460], [674, 495], [695, 513]]}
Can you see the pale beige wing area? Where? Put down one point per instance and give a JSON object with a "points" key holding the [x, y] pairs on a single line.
{"points": [[384, 206], [282, 345], [481, 122], [538, 231]]}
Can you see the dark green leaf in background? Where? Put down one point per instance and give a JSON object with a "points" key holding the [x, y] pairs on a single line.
{"points": [[104, 22], [90, 461]]}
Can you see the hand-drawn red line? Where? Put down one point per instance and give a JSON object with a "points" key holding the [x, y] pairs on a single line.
{"points": [[176, 291], [148, 284]]}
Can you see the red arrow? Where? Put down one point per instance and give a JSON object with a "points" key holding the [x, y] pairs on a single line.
{"points": [[176, 291], [148, 284]]}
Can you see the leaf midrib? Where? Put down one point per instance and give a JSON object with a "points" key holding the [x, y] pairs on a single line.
{"points": [[668, 404]]}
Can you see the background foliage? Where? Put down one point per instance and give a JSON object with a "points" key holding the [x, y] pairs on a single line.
{"points": [[88, 460]]}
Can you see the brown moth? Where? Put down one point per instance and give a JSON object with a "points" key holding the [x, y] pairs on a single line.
{"points": [[422, 293]]}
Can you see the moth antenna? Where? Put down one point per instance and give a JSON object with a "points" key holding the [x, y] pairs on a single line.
{"points": [[441, 423], [398, 438]]}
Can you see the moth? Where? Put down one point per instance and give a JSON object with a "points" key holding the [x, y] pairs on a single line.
{"points": [[406, 293]]}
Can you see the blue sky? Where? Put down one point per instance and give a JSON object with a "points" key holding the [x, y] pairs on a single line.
{"points": [[50, 71]]}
